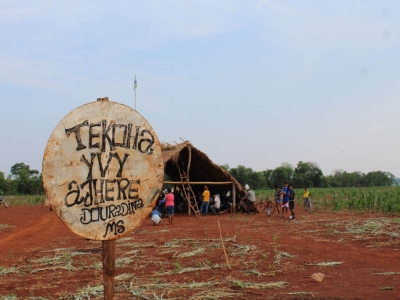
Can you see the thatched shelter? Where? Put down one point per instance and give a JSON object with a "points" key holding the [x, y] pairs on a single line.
{"points": [[198, 169]]}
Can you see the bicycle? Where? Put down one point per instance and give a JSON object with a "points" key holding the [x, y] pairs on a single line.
{"points": [[266, 205], [310, 206], [3, 201], [242, 205]]}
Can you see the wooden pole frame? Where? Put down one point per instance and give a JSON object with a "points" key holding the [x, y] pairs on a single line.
{"points": [[234, 197], [188, 166], [187, 178], [201, 182]]}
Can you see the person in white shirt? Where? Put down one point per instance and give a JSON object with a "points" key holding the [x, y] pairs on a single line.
{"points": [[216, 205], [249, 197]]}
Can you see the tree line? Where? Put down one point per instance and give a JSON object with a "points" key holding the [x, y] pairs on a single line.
{"points": [[23, 180], [308, 174]]}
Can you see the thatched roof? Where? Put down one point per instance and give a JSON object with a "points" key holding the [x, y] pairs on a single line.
{"points": [[201, 166]]}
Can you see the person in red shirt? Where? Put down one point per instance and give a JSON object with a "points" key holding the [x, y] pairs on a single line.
{"points": [[170, 207]]}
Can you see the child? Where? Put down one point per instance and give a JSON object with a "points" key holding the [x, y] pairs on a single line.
{"points": [[278, 199], [306, 197]]}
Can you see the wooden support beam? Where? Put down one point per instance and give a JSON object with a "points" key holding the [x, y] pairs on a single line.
{"points": [[189, 161], [201, 182], [233, 197]]}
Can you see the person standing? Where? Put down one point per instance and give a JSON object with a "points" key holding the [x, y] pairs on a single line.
{"points": [[205, 202], [161, 204], [291, 202], [278, 199], [228, 203], [286, 194], [306, 197], [250, 198], [170, 206], [216, 205]]}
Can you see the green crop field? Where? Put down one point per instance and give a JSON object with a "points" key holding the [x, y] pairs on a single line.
{"points": [[13, 200], [372, 199]]}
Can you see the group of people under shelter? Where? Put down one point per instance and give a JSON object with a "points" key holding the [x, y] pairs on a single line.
{"points": [[213, 203], [170, 201]]}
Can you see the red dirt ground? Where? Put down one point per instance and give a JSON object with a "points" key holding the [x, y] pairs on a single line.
{"points": [[366, 244]]}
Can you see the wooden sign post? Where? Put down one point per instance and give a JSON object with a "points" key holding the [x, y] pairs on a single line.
{"points": [[102, 169], [108, 258]]}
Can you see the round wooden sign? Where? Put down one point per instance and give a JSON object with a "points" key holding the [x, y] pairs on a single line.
{"points": [[102, 169]]}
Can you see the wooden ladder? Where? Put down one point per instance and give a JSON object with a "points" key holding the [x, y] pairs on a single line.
{"points": [[187, 190]]}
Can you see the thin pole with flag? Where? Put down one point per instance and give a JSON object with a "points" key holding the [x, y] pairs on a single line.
{"points": [[135, 87]]}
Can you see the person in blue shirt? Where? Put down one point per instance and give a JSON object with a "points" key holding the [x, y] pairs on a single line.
{"points": [[161, 204], [286, 195]]}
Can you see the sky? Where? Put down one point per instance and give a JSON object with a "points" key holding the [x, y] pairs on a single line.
{"points": [[254, 83]]}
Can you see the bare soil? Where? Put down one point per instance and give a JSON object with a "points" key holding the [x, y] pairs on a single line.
{"points": [[41, 259]]}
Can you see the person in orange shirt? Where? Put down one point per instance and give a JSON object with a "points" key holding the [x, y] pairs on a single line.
{"points": [[205, 202]]}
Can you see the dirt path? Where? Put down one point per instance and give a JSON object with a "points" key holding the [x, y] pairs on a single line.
{"points": [[260, 250], [24, 233], [31, 227]]}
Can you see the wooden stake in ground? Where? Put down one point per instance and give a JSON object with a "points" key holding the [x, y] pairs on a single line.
{"points": [[108, 257], [223, 246]]}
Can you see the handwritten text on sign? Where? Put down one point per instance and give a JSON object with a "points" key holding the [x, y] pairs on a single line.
{"points": [[108, 183]]}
